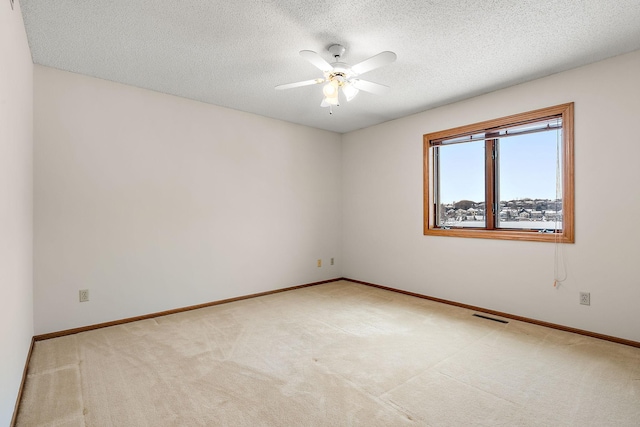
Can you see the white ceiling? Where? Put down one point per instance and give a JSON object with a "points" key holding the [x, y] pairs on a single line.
{"points": [[233, 53]]}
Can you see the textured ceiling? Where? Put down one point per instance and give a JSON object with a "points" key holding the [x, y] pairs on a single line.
{"points": [[233, 53]]}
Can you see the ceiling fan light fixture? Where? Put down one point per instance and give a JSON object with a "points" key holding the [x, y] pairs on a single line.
{"points": [[349, 91], [330, 100], [330, 89]]}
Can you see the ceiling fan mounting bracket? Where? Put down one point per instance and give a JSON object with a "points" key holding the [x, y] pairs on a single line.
{"points": [[337, 50]]}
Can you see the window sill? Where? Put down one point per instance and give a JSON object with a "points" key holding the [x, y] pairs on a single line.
{"points": [[529, 236]]}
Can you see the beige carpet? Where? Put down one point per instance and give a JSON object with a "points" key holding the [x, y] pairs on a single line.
{"points": [[337, 354]]}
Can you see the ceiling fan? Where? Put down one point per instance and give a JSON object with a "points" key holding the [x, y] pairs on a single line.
{"points": [[342, 77]]}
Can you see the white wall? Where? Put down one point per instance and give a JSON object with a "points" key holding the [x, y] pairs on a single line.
{"points": [[382, 208], [154, 202], [16, 230]]}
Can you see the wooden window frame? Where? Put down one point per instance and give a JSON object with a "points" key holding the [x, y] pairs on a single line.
{"points": [[567, 235]]}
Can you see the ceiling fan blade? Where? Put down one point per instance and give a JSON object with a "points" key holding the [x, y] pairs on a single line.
{"points": [[316, 60], [299, 84], [371, 87], [377, 61]]}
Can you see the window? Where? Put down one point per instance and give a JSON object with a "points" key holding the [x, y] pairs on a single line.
{"points": [[508, 178]]}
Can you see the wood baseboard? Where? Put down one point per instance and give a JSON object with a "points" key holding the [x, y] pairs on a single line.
{"points": [[173, 311], [413, 294], [506, 315], [14, 418]]}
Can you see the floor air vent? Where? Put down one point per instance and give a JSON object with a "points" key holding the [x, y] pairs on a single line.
{"points": [[490, 318]]}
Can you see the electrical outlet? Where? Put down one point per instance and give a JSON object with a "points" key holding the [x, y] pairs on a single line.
{"points": [[332, 261], [585, 298], [319, 263], [84, 295]]}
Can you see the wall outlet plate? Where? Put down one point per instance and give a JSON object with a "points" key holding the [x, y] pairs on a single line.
{"points": [[83, 295], [585, 298]]}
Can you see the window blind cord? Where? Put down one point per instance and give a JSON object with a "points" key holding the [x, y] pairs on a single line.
{"points": [[559, 264]]}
